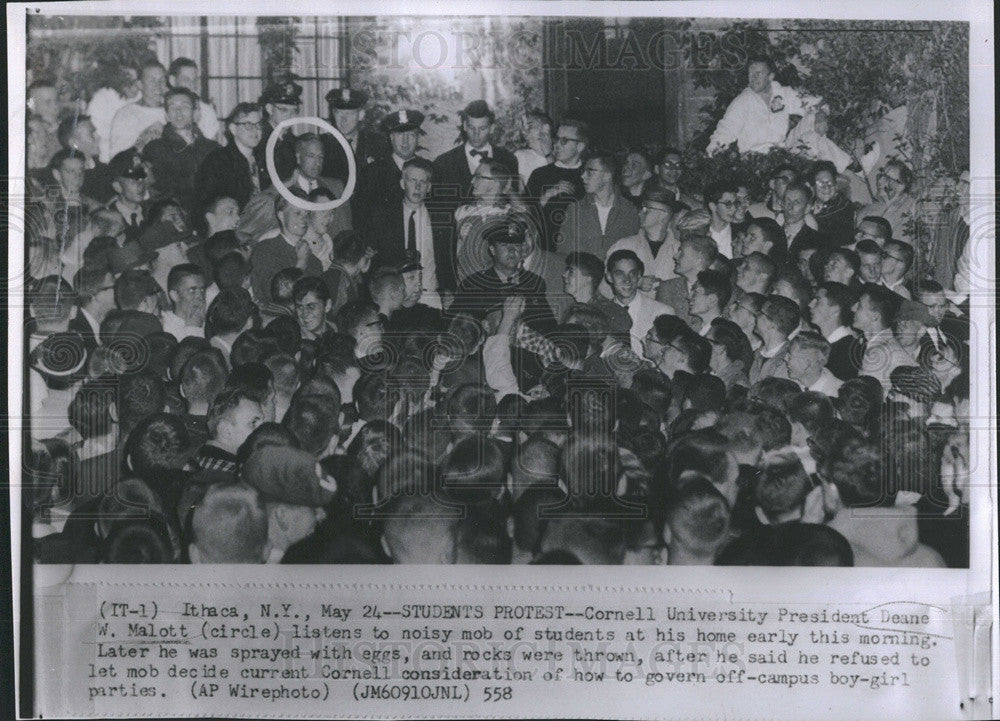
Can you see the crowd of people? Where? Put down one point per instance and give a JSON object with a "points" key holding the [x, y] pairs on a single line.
{"points": [[560, 354]]}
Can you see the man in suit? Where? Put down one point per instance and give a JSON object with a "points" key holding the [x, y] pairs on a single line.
{"points": [[77, 133], [830, 311], [624, 272], [232, 170], [379, 181], [777, 319], [453, 169], [405, 227], [603, 216], [795, 205], [656, 243], [281, 101], [259, 216], [347, 114], [130, 185], [95, 293], [945, 323], [486, 290], [874, 315], [694, 254]]}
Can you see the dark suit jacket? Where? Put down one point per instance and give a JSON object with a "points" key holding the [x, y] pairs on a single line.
{"points": [[384, 233], [674, 292], [370, 145], [81, 326], [175, 163], [453, 179], [807, 235], [378, 187], [845, 357], [225, 171], [284, 154]]}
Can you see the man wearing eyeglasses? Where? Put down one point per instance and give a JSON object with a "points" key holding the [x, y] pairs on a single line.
{"points": [[897, 257], [721, 199], [554, 186], [894, 201], [95, 292], [669, 169], [232, 170]]}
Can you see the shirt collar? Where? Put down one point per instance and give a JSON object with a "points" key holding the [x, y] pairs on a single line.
{"points": [[771, 353], [838, 333]]}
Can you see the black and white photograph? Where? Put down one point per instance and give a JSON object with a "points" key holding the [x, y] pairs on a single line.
{"points": [[551, 287]]}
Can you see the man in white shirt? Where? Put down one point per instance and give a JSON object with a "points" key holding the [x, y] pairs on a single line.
{"points": [[183, 73], [108, 101], [141, 118], [805, 363], [777, 320], [624, 272], [186, 290], [757, 119], [657, 242], [539, 150]]}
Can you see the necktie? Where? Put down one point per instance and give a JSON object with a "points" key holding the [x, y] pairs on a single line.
{"points": [[135, 220], [411, 232], [254, 176]]}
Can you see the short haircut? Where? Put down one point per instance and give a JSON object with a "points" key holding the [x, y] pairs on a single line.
{"points": [[221, 244], [416, 530], [180, 272], [924, 286], [737, 426], [716, 189], [223, 404], [841, 296], [905, 250], [541, 116], [179, 354], [734, 342], [608, 161], [770, 424], [52, 298], [421, 163], [310, 284], [774, 234], [905, 174], [867, 246], [90, 410], [698, 517], [850, 256], [654, 390], [859, 402], [282, 283], [581, 126], [88, 282], [481, 537], [884, 226], [705, 451], [821, 166], [263, 436], [782, 486], [697, 349], [281, 202], [251, 346], [475, 471], [349, 246], [178, 64], [254, 379], [811, 341], [762, 263], [242, 110], [811, 409], [667, 152], [716, 283], [231, 271], [784, 313], [67, 128], [587, 528], [350, 317], [384, 284], [158, 442], [370, 396], [762, 59], [306, 139], [471, 407], [64, 154], [588, 264], [139, 394], [203, 376], [883, 301], [855, 468], [797, 186], [181, 93], [705, 392], [228, 312], [624, 254], [286, 373], [703, 245], [313, 420], [230, 525]]}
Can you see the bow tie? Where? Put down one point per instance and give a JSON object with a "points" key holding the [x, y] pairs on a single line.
{"points": [[482, 154]]}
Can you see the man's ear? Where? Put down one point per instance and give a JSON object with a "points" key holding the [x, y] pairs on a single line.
{"points": [[172, 294], [193, 553], [385, 546], [113, 411]]}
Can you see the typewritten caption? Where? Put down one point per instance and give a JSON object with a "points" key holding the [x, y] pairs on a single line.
{"points": [[379, 650]]}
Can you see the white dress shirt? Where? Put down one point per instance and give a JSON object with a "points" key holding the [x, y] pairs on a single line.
{"points": [[828, 384], [474, 160]]}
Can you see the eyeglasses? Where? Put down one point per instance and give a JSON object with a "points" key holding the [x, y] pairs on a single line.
{"points": [[247, 124], [563, 139], [825, 184], [376, 324], [729, 203], [668, 165], [890, 255]]}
